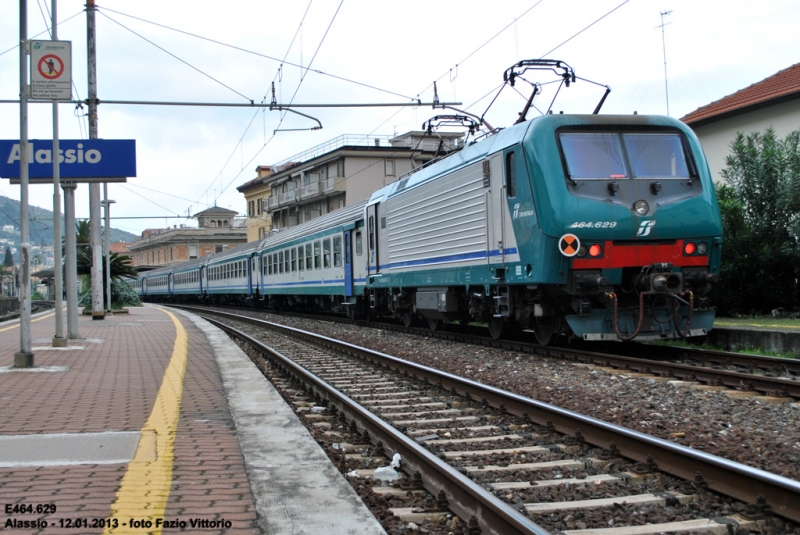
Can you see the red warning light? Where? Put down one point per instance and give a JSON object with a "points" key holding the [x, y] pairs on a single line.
{"points": [[595, 250], [689, 248]]}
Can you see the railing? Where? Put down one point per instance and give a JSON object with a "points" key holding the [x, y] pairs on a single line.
{"points": [[311, 190], [287, 197], [334, 183], [345, 140]]}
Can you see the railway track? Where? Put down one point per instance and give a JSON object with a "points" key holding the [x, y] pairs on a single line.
{"points": [[500, 460], [754, 374]]}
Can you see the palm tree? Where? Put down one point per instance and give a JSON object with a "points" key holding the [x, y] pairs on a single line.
{"points": [[119, 264]]}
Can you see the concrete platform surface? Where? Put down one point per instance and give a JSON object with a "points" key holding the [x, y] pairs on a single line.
{"points": [[156, 422]]}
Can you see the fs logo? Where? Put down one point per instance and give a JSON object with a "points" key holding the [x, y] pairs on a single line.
{"points": [[644, 228]]}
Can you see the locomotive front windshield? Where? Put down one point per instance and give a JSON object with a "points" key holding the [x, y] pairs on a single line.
{"points": [[619, 155]]}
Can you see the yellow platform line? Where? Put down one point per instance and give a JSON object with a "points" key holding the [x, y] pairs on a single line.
{"points": [[144, 490], [16, 325]]}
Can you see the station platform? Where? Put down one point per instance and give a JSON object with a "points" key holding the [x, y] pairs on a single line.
{"points": [[154, 421]]}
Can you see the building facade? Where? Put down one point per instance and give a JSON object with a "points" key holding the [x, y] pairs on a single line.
{"points": [[218, 230], [773, 102], [345, 170]]}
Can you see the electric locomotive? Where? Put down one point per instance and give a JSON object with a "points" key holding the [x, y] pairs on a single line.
{"points": [[601, 227]]}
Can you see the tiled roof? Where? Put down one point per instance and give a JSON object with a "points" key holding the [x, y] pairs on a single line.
{"points": [[780, 85]]}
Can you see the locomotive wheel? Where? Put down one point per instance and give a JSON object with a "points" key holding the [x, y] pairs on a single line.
{"points": [[544, 335], [496, 327], [407, 319], [434, 325]]}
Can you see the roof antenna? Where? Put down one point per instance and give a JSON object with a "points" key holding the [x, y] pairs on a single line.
{"points": [[435, 95], [664, 47]]}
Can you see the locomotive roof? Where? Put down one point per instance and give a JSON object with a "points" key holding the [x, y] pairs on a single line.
{"points": [[511, 136]]}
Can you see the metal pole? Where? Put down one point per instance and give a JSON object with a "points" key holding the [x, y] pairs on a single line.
{"points": [[94, 189], [72, 262], [58, 339], [664, 46], [24, 359], [107, 247]]}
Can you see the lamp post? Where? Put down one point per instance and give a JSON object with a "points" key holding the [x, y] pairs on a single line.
{"points": [[107, 245]]}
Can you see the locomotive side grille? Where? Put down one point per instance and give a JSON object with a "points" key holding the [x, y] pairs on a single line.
{"points": [[438, 219]]}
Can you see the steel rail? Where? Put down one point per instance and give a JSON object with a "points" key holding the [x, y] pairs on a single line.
{"points": [[732, 379], [733, 479], [465, 497]]}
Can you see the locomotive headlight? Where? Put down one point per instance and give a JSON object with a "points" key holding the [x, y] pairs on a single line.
{"points": [[582, 251], [641, 207], [702, 248]]}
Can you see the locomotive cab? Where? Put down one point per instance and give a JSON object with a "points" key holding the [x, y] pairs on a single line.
{"points": [[633, 211]]}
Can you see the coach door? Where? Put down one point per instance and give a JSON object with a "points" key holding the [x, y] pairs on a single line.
{"points": [[373, 265], [348, 264], [494, 198]]}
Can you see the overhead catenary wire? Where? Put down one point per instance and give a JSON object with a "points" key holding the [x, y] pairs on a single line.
{"points": [[319, 46], [266, 56], [176, 57]]}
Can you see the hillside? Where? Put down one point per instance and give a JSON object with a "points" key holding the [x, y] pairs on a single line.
{"points": [[41, 224]]}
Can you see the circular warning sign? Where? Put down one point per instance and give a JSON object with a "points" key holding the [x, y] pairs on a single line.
{"points": [[569, 245], [50, 66]]}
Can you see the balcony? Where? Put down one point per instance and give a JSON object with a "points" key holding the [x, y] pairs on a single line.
{"points": [[287, 197], [272, 202], [311, 190], [334, 184]]}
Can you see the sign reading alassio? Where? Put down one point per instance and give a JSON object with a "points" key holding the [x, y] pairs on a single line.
{"points": [[51, 70], [82, 160]]}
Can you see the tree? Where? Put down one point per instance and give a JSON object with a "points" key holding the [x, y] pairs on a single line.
{"points": [[760, 208], [8, 261], [119, 264]]}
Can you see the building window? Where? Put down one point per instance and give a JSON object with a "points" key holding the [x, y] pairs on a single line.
{"points": [[250, 210], [217, 249], [389, 164], [340, 168]]}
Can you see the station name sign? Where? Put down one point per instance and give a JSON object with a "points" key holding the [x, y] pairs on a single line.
{"points": [[82, 160]]}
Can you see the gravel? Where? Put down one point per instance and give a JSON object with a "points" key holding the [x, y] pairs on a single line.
{"points": [[749, 430]]}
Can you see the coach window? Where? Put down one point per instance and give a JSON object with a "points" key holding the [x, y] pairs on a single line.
{"points": [[286, 262], [511, 174], [274, 263], [337, 251], [317, 252], [280, 262], [301, 263], [294, 259], [326, 253], [309, 265], [359, 246]]}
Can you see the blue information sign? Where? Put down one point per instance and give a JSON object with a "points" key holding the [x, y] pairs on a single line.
{"points": [[82, 160]]}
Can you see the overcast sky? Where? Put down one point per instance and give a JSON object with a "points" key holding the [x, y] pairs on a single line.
{"points": [[362, 51]]}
